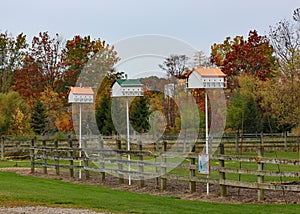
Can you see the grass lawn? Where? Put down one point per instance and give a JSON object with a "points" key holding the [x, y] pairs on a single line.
{"points": [[16, 189], [14, 163]]}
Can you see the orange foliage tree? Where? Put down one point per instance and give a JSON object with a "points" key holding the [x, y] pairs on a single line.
{"points": [[252, 56], [29, 81]]}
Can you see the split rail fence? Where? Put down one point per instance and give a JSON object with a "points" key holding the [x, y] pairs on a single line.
{"points": [[254, 172]]}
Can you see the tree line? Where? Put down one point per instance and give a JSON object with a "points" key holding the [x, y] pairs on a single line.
{"points": [[263, 74]]}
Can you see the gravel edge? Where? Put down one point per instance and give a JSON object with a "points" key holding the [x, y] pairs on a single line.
{"points": [[45, 210]]}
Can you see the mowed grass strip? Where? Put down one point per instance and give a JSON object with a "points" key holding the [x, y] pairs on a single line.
{"points": [[52, 192]]}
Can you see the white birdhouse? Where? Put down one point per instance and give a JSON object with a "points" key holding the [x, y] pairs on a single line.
{"points": [[169, 90], [206, 78], [127, 88], [81, 95]]}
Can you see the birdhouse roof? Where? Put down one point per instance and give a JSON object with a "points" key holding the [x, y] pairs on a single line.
{"points": [[209, 72], [82, 90], [129, 82]]}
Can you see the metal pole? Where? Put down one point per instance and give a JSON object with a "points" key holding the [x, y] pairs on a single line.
{"points": [[128, 139], [206, 136], [80, 140]]}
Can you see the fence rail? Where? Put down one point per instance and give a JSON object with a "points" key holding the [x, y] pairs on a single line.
{"points": [[238, 143]]}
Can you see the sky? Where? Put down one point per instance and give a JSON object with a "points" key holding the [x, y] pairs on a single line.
{"points": [[197, 22]]}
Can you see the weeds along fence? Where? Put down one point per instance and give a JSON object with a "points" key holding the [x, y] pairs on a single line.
{"points": [[259, 166]]}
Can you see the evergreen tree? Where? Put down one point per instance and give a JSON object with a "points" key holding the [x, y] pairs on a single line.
{"points": [[243, 114], [118, 113], [139, 115], [252, 118], [39, 118], [103, 116], [235, 112]]}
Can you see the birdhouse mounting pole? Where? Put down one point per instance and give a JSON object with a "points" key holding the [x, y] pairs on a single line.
{"points": [[80, 140], [206, 134], [128, 138]]}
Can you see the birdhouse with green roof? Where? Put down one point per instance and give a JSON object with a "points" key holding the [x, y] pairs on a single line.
{"points": [[127, 88]]}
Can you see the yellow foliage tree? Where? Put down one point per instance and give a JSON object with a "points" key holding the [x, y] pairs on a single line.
{"points": [[64, 122], [19, 124], [54, 105]]}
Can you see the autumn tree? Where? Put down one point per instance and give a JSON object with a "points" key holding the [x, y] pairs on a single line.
{"points": [[93, 58], [48, 53], [12, 52], [157, 119], [54, 106], [42, 67], [274, 99], [19, 123], [88, 63], [78, 51], [285, 38], [29, 81], [64, 122], [10, 103], [252, 56]]}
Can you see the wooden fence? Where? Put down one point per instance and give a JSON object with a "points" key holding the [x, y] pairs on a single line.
{"points": [[113, 159], [20, 149]]}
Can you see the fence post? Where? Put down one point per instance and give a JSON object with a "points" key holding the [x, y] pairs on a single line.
{"points": [[32, 155], [2, 147], [120, 165], [260, 178], [56, 157], [101, 159], [222, 176], [163, 181], [44, 157], [70, 156], [155, 157], [156, 146], [237, 143], [193, 170], [285, 141], [86, 165], [141, 164]]}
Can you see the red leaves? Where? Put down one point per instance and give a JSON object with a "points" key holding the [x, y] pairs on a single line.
{"points": [[253, 56], [29, 82]]}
